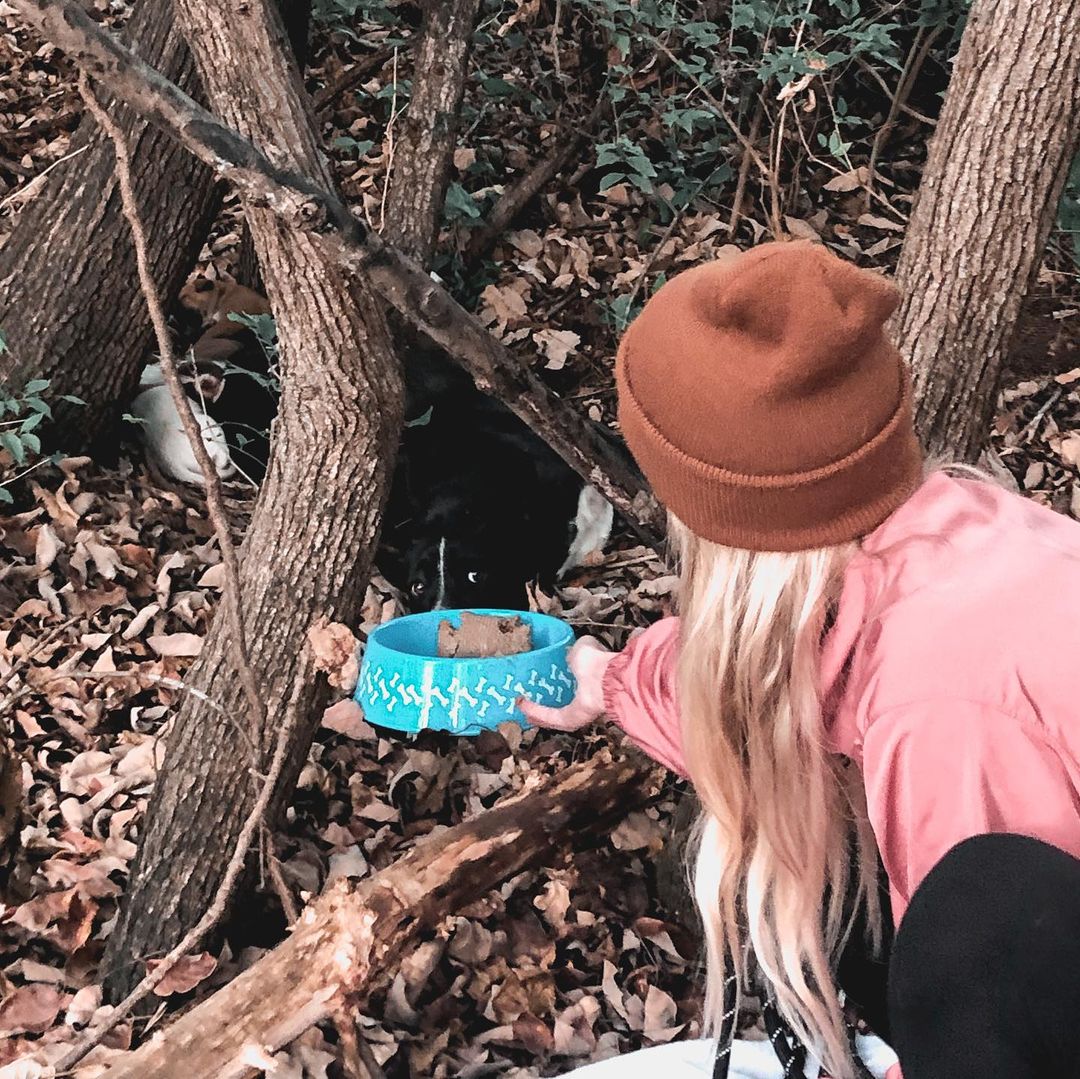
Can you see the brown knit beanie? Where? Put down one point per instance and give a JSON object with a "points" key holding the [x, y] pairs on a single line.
{"points": [[765, 405]]}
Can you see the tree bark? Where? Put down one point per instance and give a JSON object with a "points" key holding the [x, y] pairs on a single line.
{"points": [[69, 295], [310, 208], [315, 524], [348, 938], [1008, 130], [423, 156]]}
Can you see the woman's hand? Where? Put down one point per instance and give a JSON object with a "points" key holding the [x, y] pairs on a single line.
{"points": [[588, 660]]}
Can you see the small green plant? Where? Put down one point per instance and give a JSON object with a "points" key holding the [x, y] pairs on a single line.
{"points": [[265, 330], [1069, 210], [21, 413]]}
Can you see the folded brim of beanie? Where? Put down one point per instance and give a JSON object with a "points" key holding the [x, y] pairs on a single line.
{"points": [[840, 501]]}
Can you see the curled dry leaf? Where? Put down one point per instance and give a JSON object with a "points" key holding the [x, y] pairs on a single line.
{"points": [[185, 974], [347, 718], [176, 644], [334, 650]]}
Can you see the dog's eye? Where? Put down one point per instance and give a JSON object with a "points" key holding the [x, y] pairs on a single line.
{"points": [[474, 576], [203, 285], [418, 588]]}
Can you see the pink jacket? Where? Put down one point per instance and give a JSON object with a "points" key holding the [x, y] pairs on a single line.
{"points": [[959, 628]]}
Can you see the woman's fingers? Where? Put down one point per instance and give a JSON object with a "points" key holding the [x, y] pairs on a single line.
{"points": [[569, 718], [588, 660]]}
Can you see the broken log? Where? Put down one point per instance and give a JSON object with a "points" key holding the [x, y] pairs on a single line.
{"points": [[310, 208], [353, 934]]}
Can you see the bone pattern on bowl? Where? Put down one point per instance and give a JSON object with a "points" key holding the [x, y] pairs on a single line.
{"points": [[481, 697]]}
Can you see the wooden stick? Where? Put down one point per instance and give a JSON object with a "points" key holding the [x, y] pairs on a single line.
{"points": [[516, 197], [365, 66], [351, 935], [401, 282]]}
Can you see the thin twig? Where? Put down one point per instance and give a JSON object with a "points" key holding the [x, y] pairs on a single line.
{"points": [[24, 194], [367, 1055], [215, 502], [904, 108], [555, 40], [277, 878], [214, 913], [389, 149], [514, 199], [676, 217], [365, 66], [744, 169], [920, 49]]}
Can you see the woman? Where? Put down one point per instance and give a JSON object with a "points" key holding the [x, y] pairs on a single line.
{"points": [[867, 658]]}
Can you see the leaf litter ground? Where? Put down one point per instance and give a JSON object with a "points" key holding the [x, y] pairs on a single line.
{"points": [[109, 578]]}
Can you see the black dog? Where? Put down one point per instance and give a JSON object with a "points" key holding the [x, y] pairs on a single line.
{"points": [[480, 506]]}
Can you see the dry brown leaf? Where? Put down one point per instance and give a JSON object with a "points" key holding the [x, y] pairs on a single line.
{"points": [[30, 1009], [347, 718], [875, 221], [186, 973], [557, 346], [176, 644], [849, 181], [660, 1016], [334, 650], [638, 831]]}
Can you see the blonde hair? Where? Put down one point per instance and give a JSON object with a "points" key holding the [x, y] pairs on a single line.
{"points": [[772, 867]]}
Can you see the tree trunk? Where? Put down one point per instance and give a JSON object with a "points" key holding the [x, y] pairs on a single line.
{"points": [[69, 296], [349, 940], [315, 524], [422, 159], [1008, 130]]}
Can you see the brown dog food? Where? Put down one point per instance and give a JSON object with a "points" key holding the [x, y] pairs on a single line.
{"points": [[484, 635]]}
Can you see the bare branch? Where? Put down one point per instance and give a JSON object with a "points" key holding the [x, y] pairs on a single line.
{"points": [[400, 281]]}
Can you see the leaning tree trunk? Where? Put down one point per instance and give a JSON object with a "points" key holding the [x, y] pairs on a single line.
{"points": [[1008, 130], [70, 302], [313, 532]]}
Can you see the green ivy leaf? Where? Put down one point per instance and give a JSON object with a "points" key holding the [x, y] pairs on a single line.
{"points": [[13, 444]]}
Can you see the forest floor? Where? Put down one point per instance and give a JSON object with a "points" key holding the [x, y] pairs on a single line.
{"points": [[109, 577]]}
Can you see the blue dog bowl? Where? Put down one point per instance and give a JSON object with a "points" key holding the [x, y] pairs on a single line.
{"points": [[405, 686]]}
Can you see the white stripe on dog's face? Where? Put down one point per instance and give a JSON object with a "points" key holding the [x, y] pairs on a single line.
{"points": [[440, 595]]}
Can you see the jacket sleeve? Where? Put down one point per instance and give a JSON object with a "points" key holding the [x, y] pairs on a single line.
{"points": [[639, 693], [938, 774]]}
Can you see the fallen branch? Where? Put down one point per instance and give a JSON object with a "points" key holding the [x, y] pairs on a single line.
{"points": [[517, 196], [401, 282], [353, 934], [365, 66]]}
